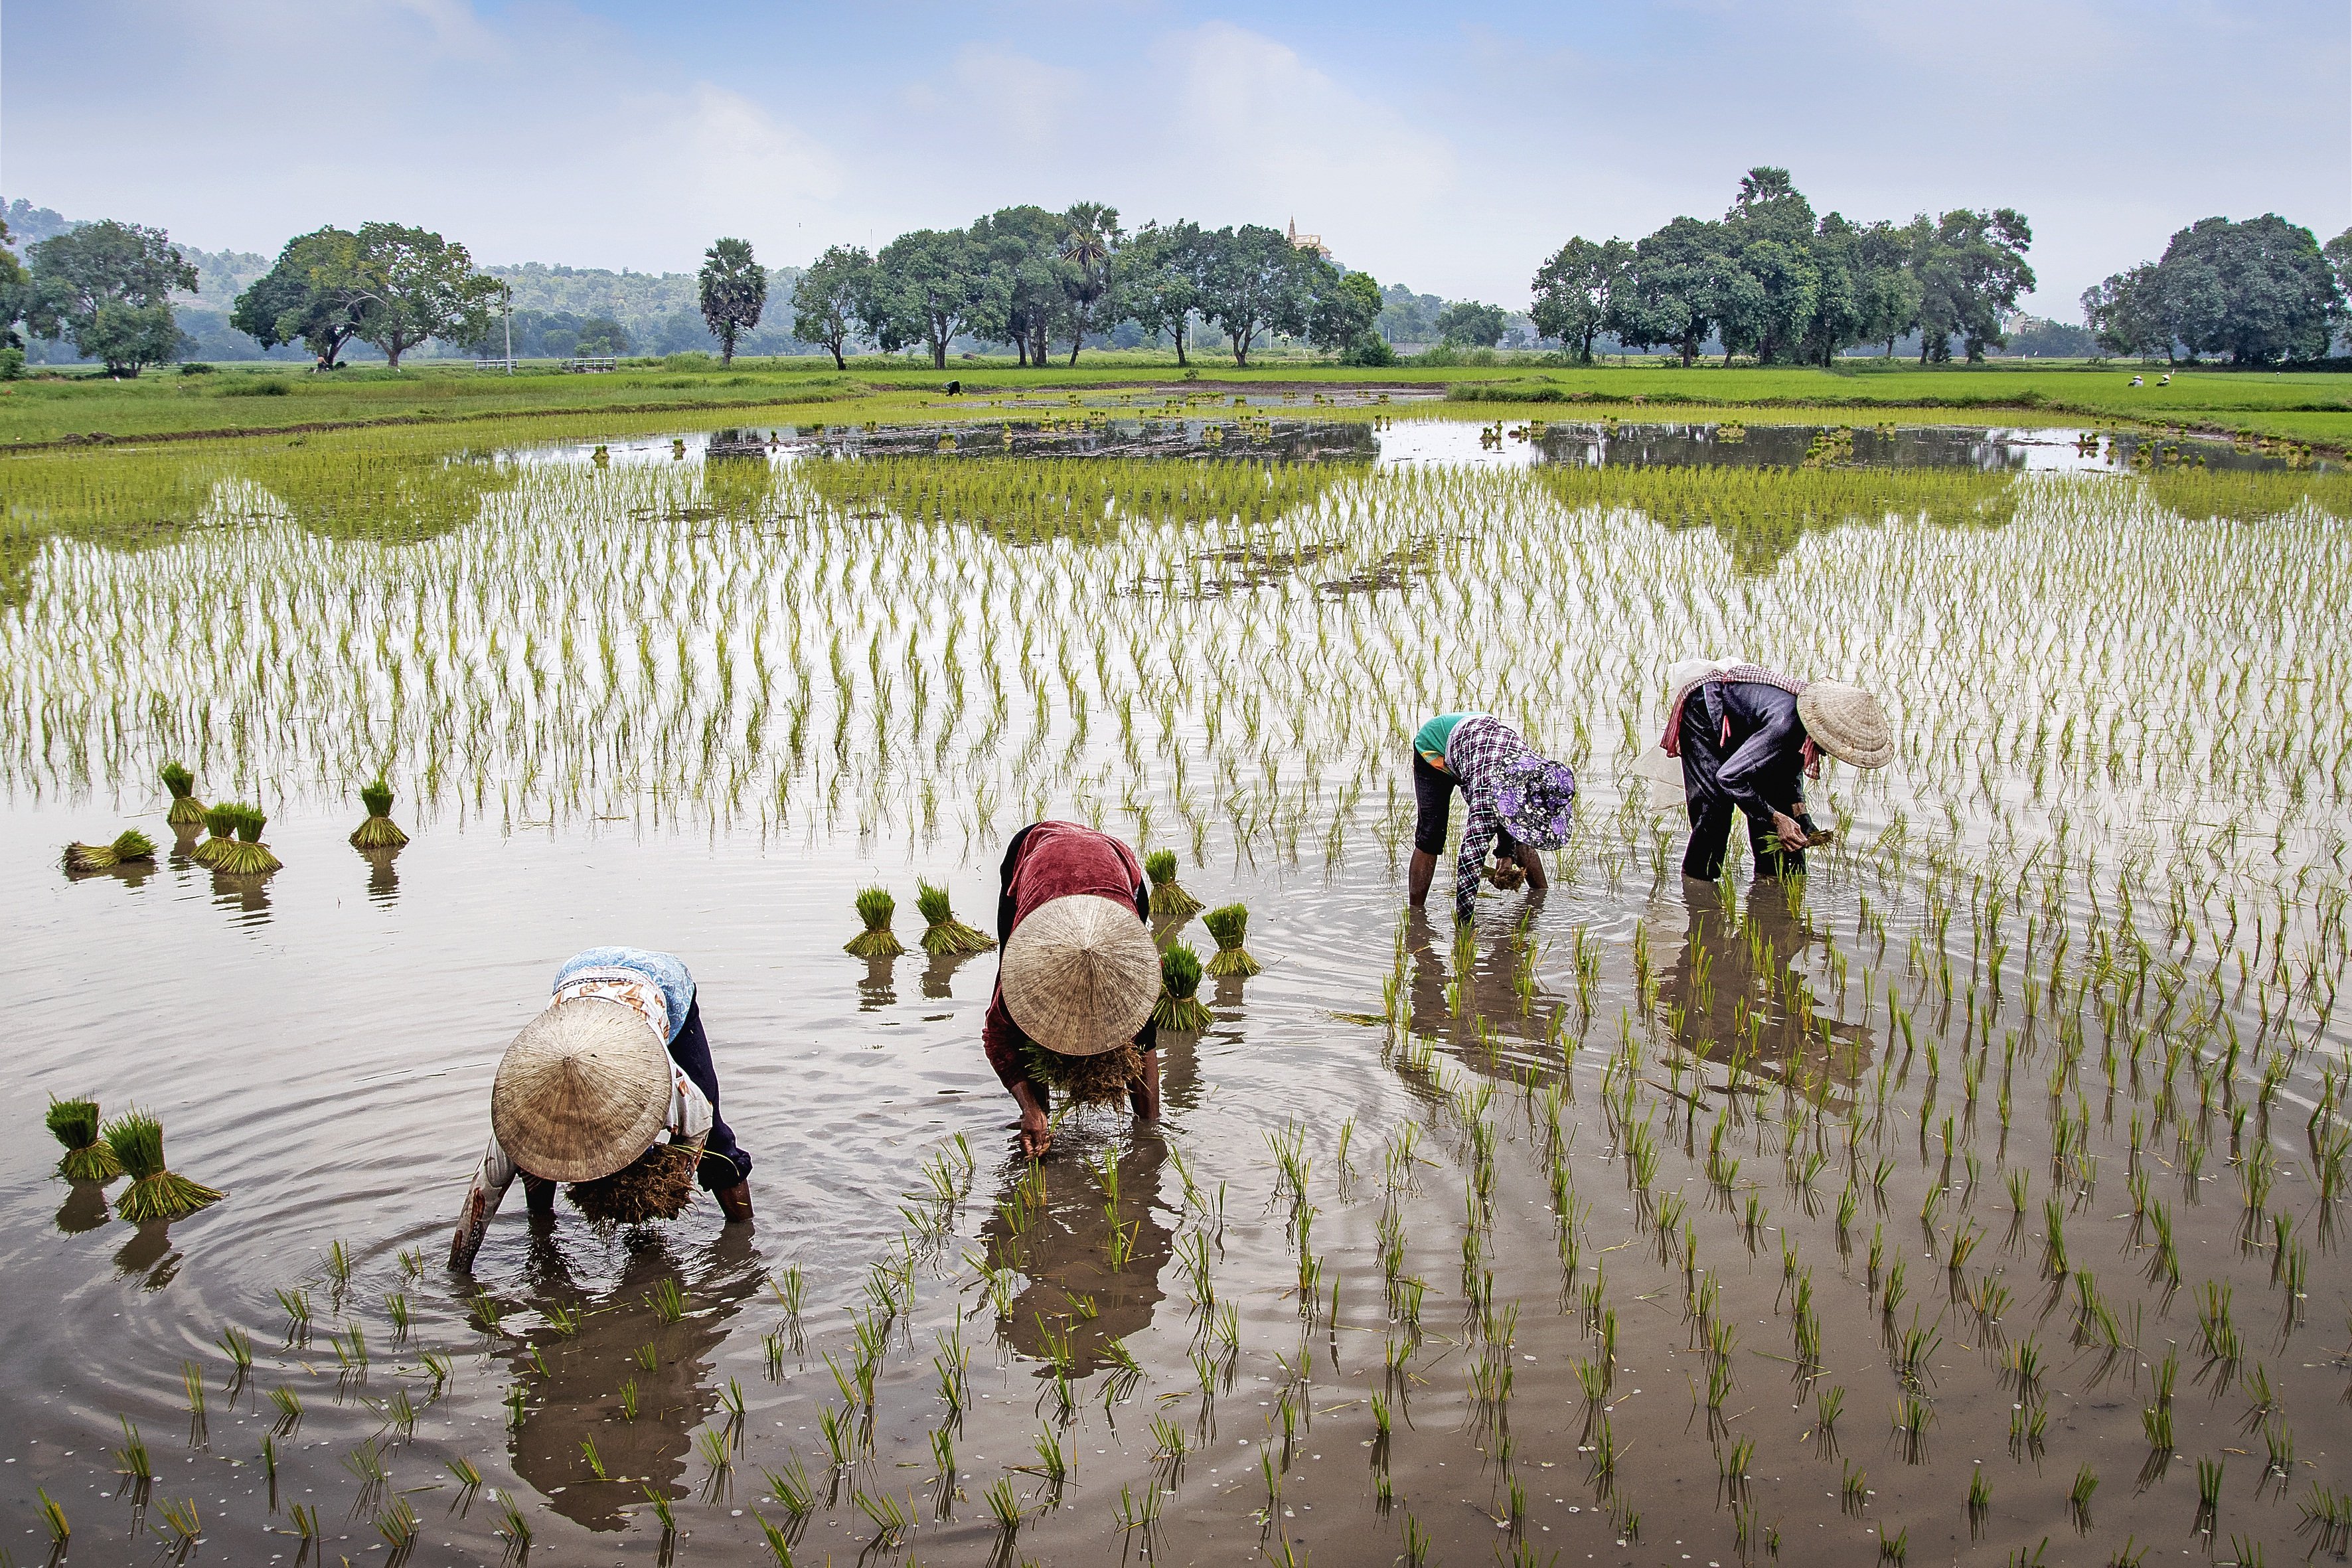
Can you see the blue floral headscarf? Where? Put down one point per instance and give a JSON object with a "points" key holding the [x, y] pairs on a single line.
{"points": [[1537, 802]]}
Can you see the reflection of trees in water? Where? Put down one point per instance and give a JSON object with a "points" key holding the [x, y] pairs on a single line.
{"points": [[578, 1397], [1735, 991], [1063, 1252]]}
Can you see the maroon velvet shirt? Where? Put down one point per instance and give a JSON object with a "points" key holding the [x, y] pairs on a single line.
{"points": [[1050, 860]]}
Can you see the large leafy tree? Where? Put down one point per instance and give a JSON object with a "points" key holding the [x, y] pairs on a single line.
{"points": [[1971, 268], [734, 291], [1342, 320], [1157, 278], [2259, 292], [1467, 322], [408, 286], [12, 294], [928, 286], [1770, 285], [1021, 292], [831, 298], [1886, 293], [1574, 289], [1677, 289], [311, 295], [107, 287], [1256, 281]]}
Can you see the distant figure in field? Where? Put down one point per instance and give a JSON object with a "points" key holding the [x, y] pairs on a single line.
{"points": [[1748, 739], [2139, 381]]}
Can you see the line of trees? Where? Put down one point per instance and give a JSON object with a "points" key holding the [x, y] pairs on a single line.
{"points": [[1044, 280], [1773, 281], [2260, 291]]}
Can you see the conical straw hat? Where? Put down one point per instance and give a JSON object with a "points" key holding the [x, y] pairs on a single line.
{"points": [[1847, 722], [1080, 974], [582, 1091]]}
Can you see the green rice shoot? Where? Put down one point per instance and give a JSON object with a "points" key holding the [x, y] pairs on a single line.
{"points": [[87, 1157], [1229, 925], [379, 831], [1178, 1009], [1169, 899], [875, 907], [155, 1192], [942, 932]]}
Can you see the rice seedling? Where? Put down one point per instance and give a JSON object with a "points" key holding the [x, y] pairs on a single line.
{"points": [[186, 812], [942, 932], [514, 1525], [1169, 901], [182, 1524], [875, 908], [290, 1408], [246, 855], [155, 1193], [132, 1457], [1178, 1009], [378, 831], [1229, 925], [129, 848], [398, 1524], [2078, 1497], [87, 1157]]}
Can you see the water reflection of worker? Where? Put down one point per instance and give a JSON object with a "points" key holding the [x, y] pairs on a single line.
{"points": [[615, 1063], [1078, 973], [1716, 971], [573, 1383], [1748, 739], [1063, 1255], [1519, 802]]}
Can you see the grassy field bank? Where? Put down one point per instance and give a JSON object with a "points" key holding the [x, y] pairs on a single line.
{"points": [[2313, 408]]}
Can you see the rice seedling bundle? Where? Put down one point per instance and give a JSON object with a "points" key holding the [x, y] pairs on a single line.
{"points": [[1229, 925], [379, 831], [1101, 1079], [88, 1157], [1180, 1008], [875, 907], [1169, 899], [186, 810], [155, 1192], [221, 822], [656, 1185], [247, 856], [942, 932], [129, 846]]}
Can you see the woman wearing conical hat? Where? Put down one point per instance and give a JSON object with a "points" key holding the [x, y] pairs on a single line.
{"points": [[1076, 976], [614, 1066], [1748, 738]]}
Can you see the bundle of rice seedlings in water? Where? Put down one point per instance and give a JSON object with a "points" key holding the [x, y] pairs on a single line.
{"points": [[1229, 925], [1168, 900], [249, 856], [1506, 873], [154, 1193], [1101, 1079], [1180, 977], [186, 811], [875, 907], [88, 1158], [379, 831], [942, 932], [656, 1185], [221, 820], [129, 846]]}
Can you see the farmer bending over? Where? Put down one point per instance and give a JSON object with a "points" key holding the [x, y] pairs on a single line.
{"points": [[1748, 739], [613, 1070], [1518, 801], [1077, 976]]}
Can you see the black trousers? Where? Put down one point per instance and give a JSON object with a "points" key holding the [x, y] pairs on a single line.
{"points": [[1432, 800], [1711, 810]]}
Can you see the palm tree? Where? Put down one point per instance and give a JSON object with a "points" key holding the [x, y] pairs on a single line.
{"points": [[1091, 235]]}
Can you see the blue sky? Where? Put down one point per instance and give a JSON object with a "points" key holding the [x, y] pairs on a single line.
{"points": [[1451, 148]]}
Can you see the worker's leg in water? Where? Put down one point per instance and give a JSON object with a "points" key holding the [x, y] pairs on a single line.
{"points": [[1433, 799], [1710, 809], [1144, 1092], [726, 1166], [540, 1197]]}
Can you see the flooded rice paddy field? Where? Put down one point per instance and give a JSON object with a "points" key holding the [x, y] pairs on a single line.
{"points": [[1978, 1196]]}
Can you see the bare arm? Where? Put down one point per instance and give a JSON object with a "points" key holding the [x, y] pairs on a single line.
{"points": [[491, 1179]]}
